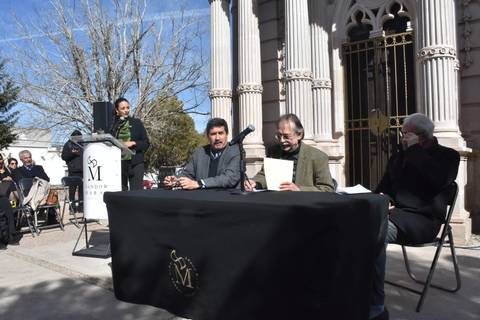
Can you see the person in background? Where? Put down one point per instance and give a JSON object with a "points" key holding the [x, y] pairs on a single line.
{"points": [[72, 154], [12, 164], [5, 174], [28, 169], [134, 136]]}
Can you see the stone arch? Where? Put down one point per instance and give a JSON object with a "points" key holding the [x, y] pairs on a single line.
{"points": [[376, 12]]}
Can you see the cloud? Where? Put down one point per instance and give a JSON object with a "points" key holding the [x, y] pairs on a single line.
{"points": [[148, 18]]}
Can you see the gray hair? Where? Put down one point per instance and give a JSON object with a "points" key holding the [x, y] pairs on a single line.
{"points": [[290, 117], [422, 124], [24, 152]]}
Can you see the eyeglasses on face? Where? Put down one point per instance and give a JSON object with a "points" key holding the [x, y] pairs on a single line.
{"points": [[284, 136]]}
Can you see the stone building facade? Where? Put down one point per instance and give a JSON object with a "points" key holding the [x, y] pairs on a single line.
{"points": [[352, 70]]}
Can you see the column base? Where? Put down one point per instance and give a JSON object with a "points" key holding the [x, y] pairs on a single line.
{"points": [[254, 154], [336, 158], [462, 230]]}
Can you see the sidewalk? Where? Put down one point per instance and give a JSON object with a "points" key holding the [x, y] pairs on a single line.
{"points": [[40, 279]]}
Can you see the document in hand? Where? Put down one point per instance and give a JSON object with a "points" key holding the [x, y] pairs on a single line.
{"points": [[353, 190], [277, 171]]}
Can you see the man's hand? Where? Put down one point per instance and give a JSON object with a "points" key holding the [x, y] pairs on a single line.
{"points": [[391, 206], [409, 139], [170, 181], [289, 186], [188, 184], [250, 185], [130, 144], [7, 178]]}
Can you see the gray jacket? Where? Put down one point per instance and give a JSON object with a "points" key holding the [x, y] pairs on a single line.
{"points": [[228, 170]]}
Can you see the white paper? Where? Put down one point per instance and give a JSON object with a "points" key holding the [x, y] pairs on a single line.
{"points": [[277, 171], [353, 190]]}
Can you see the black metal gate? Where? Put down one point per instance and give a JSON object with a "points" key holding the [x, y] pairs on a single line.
{"points": [[380, 93]]}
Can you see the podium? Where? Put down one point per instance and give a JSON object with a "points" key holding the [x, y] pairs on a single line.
{"points": [[102, 171]]}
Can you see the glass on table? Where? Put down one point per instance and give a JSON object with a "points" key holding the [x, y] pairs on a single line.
{"points": [[178, 174]]}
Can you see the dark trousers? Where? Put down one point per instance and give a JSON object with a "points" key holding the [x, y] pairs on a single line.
{"points": [[72, 190], [7, 220], [390, 234], [132, 175]]}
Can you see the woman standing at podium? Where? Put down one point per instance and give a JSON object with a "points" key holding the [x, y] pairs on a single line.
{"points": [[132, 133]]}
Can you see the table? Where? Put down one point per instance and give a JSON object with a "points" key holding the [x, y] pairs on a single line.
{"points": [[211, 255]]}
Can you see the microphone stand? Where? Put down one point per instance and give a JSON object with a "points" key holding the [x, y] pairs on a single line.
{"points": [[243, 169]]}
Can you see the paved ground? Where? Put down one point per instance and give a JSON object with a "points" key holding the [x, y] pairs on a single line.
{"points": [[40, 279]]}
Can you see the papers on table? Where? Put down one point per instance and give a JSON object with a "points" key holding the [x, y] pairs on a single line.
{"points": [[277, 171], [353, 190]]}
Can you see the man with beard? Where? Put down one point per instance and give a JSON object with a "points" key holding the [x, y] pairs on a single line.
{"points": [[216, 165], [310, 165]]}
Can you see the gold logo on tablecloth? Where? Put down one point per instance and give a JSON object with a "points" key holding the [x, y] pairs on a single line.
{"points": [[183, 274]]}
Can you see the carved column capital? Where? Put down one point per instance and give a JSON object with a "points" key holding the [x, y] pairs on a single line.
{"points": [[249, 87], [322, 84], [220, 93], [298, 75], [435, 52]]}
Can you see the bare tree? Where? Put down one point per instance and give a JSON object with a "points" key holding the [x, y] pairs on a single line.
{"points": [[97, 52]]}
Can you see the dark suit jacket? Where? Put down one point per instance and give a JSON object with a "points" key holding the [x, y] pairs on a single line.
{"points": [[137, 134], [413, 180], [36, 171], [312, 174], [228, 170]]}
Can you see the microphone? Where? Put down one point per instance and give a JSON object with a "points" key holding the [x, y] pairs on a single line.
{"points": [[242, 135]]}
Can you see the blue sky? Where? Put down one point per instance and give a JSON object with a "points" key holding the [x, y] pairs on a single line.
{"points": [[28, 10]]}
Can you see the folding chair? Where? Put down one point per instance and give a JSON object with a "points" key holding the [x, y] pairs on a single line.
{"points": [[67, 183], [450, 195], [25, 184], [24, 212]]}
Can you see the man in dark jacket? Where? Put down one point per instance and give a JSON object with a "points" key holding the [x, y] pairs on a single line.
{"points": [[72, 154], [28, 169], [413, 181]]}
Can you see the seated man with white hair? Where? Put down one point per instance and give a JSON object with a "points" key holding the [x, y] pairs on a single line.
{"points": [[29, 169], [413, 178]]}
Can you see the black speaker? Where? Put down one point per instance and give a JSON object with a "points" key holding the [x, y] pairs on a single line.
{"points": [[102, 116]]}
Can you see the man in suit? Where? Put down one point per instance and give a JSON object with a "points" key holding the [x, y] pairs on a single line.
{"points": [[28, 169], [216, 165], [413, 181], [310, 165]]}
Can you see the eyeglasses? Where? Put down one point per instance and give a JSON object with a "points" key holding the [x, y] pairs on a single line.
{"points": [[279, 137], [12, 163]]}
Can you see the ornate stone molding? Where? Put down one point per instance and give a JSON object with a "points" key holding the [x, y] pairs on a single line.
{"points": [[375, 13], [435, 52], [250, 88], [220, 93], [298, 75], [322, 84], [467, 33]]}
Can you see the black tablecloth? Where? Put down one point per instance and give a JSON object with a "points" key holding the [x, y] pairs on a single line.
{"points": [[273, 255]]}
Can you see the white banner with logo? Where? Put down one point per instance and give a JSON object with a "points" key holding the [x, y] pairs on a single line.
{"points": [[102, 171]]}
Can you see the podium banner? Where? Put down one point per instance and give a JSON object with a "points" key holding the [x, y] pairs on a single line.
{"points": [[101, 172]]}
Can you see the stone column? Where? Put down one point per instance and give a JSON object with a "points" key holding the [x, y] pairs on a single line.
{"points": [[322, 84], [250, 77], [221, 63], [438, 90], [298, 73]]}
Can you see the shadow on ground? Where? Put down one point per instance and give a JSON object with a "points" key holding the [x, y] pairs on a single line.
{"points": [[70, 299], [438, 305]]}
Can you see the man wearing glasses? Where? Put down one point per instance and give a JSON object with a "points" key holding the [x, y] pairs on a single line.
{"points": [[310, 165]]}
